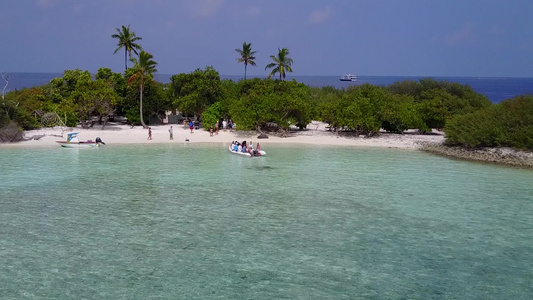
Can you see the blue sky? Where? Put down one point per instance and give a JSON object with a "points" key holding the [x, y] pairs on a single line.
{"points": [[486, 38]]}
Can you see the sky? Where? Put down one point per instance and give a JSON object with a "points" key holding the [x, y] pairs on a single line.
{"points": [[478, 38]]}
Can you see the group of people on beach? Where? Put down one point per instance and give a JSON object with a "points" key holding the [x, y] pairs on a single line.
{"points": [[225, 125], [188, 122], [245, 148], [228, 124]]}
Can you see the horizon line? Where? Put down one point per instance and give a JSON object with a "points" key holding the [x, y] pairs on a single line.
{"points": [[294, 76]]}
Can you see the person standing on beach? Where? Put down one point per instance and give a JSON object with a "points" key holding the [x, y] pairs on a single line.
{"points": [[216, 128], [191, 125], [171, 132], [149, 133]]}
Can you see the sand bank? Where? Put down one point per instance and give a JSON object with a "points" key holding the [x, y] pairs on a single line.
{"points": [[315, 134]]}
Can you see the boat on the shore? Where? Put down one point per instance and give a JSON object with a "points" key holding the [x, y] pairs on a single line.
{"points": [[348, 77], [260, 152], [73, 142]]}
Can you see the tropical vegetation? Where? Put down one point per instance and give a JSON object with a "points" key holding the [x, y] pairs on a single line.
{"points": [[507, 124], [246, 56], [128, 40], [281, 65], [143, 71], [78, 97]]}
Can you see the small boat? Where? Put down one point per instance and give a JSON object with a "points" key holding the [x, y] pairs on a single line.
{"points": [[348, 77], [261, 152], [73, 142]]}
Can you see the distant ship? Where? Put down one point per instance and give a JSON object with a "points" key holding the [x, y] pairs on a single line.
{"points": [[348, 77]]}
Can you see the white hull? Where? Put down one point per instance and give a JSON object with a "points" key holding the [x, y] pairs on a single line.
{"points": [[262, 153], [348, 77], [78, 145], [73, 142]]}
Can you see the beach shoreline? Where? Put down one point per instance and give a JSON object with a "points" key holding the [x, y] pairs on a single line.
{"points": [[315, 134]]}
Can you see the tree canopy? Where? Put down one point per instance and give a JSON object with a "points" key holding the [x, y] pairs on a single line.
{"points": [[196, 91], [128, 40], [281, 65], [246, 56], [143, 70], [467, 117], [265, 101]]}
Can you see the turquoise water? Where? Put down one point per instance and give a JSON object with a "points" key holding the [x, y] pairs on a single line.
{"points": [[193, 221]]}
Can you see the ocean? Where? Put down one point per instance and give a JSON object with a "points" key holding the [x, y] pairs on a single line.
{"points": [[191, 221], [496, 89]]}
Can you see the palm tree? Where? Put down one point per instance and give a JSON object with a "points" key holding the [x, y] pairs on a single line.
{"points": [[247, 56], [143, 70], [281, 64], [126, 40]]}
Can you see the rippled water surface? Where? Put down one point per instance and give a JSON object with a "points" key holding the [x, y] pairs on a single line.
{"points": [[194, 221]]}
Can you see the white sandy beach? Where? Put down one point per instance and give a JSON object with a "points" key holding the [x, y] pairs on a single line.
{"points": [[315, 134]]}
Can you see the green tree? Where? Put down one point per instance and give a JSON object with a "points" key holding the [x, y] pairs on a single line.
{"points": [[212, 114], [156, 102], [400, 112], [143, 70], [90, 98], [360, 108], [65, 85], [437, 101], [282, 63], [30, 99], [507, 124], [265, 101], [118, 82], [247, 56], [127, 39], [325, 103], [196, 91]]}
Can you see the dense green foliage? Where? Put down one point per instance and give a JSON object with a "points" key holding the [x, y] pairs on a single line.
{"points": [[468, 118], [262, 103], [142, 73], [439, 100], [366, 109], [196, 91], [509, 123]]}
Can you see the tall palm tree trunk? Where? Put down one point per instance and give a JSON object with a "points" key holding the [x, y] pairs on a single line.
{"points": [[245, 71], [141, 106], [126, 58]]}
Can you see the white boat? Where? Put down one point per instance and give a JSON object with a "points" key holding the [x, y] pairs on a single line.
{"points": [[73, 142], [261, 152], [348, 77]]}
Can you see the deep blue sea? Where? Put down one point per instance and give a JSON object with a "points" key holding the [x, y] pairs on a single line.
{"points": [[496, 89]]}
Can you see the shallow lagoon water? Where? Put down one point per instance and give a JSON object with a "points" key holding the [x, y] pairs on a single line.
{"points": [[189, 221]]}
